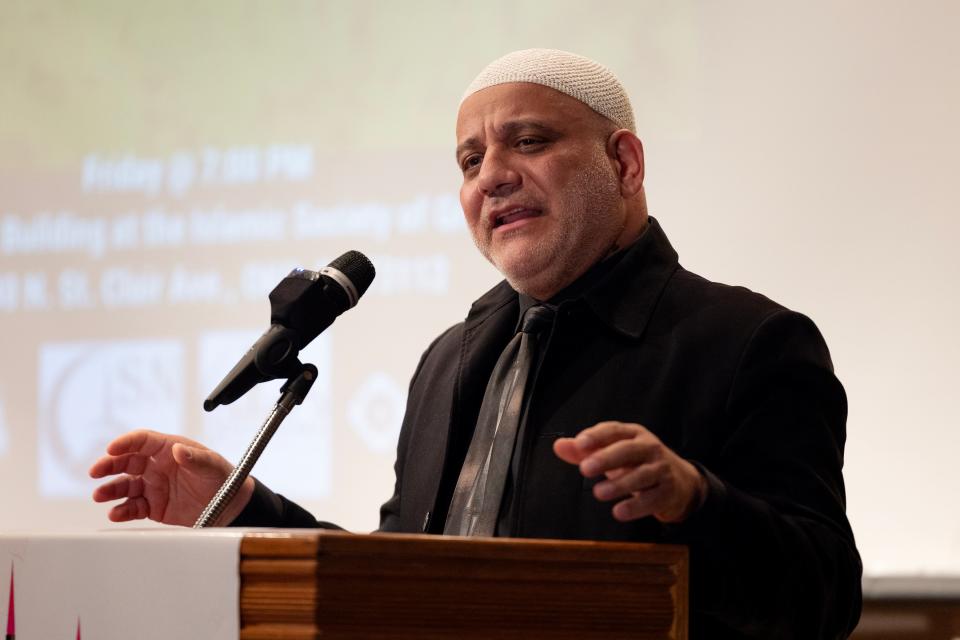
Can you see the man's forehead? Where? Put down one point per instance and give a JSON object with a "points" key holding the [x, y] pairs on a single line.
{"points": [[519, 101]]}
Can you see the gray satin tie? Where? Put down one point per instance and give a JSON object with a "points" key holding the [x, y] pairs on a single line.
{"points": [[476, 500]]}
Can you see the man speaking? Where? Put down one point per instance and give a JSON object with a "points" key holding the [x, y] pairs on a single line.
{"points": [[601, 391]]}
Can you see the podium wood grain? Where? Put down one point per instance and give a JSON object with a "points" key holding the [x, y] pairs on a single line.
{"points": [[323, 584]]}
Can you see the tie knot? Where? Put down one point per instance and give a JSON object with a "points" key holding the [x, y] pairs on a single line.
{"points": [[537, 318]]}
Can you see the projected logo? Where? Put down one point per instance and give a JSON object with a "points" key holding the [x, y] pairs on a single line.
{"points": [[297, 461], [90, 392], [376, 410]]}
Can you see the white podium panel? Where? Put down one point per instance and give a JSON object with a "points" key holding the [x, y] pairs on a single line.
{"points": [[152, 584]]}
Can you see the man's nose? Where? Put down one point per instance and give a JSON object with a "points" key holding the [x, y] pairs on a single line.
{"points": [[498, 178]]}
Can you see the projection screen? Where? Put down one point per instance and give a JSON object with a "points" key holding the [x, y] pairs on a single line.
{"points": [[162, 166]]}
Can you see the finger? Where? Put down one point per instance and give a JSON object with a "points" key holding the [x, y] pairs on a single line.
{"points": [[568, 450], [122, 487], [623, 453], [132, 463], [640, 505], [642, 478], [613, 474], [102, 467], [132, 509], [141, 441], [605, 433]]}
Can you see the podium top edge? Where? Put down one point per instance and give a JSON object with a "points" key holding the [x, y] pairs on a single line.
{"points": [[305, 543]]}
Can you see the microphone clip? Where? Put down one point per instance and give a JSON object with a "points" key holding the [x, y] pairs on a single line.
{"points": [[276, 354]]}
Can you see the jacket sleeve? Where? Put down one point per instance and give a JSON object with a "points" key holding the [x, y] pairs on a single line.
{"points": [[269, 509], [772, 552]]}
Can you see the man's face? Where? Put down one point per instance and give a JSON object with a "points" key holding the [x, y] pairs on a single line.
{"points": [[540, 193]]}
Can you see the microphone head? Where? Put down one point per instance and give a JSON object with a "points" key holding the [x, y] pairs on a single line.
{"points": [[358, 268], [308, 301]]}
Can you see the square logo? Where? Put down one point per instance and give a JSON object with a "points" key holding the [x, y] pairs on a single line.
{"points": [[91, 392]]}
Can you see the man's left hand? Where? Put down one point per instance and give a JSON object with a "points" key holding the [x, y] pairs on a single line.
{"points": [[638, 467]]}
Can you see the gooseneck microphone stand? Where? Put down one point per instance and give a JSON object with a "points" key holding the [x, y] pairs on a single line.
{"points": [[301, 307], [292, 393]]}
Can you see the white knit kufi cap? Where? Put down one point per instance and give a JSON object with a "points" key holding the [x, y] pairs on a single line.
{"points": [[589, 82]]}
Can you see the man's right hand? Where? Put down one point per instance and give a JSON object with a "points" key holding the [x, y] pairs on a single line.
{"points": [[163, 477]]}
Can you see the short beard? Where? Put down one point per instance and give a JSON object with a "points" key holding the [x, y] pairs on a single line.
{"points": [[593, 221]]}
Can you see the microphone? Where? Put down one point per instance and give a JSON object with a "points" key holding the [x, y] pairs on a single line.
{"points": [[301, 307]]}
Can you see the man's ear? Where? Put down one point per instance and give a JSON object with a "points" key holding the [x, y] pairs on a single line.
{"points": [[627, 151]]}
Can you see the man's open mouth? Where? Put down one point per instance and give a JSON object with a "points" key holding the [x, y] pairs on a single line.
{"points": [[513, 215]]}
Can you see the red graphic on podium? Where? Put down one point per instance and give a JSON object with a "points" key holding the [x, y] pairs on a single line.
{"points": [[11, 614], [11, 621]]}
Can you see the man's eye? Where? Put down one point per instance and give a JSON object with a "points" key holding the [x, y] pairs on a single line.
{"points": [[527, 142], [470, 161]]}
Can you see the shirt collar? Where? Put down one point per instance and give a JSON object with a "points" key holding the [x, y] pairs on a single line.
{"points": [[625, 298]]}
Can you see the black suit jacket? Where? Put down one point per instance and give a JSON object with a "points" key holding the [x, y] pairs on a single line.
{"points": [[725, 377]]}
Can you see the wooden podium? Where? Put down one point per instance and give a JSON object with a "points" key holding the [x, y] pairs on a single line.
{"points": [[320, 584]]}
